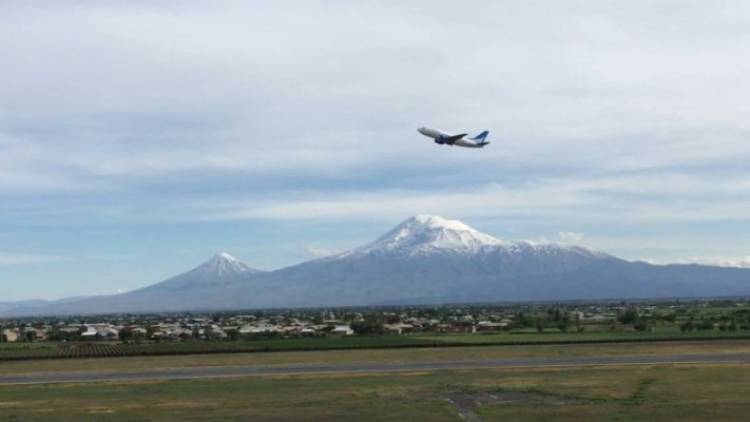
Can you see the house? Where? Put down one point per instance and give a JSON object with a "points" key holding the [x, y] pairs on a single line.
{"points": [[342, 330], [307, 331], [576, 316], [260, 328], [491, 326], [398, 329], [9, 336], [34, 334], [90, 334]]}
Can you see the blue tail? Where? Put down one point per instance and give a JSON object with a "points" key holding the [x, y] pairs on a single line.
{"points": [[481, 137]]}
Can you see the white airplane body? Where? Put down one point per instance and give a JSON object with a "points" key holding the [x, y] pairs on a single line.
{"points": [[461, 140]]}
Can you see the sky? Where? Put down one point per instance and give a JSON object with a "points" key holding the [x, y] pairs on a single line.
{"points": [[139, 138]]}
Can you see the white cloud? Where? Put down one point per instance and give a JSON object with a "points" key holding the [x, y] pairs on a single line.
{"points": [[600, 115], [734, 262], [571, 237], [317, 252], [622, 198], [624, 89], [22, 259]]}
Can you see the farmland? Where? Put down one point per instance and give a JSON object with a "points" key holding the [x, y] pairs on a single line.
{"points": [[379, 355], [690, 392], [25, 351]]}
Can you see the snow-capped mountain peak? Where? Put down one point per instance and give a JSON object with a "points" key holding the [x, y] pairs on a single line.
{"points": [[426, 234], [221, 268], [223, 264], [423, 233]]}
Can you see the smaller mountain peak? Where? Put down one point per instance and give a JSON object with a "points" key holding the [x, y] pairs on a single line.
{"points": [[224, 263], [225, 256]]}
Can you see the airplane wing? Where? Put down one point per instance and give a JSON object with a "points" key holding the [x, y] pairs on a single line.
{"points": [[450, 140]]}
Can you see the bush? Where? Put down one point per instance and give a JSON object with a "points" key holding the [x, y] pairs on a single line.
{"points": [[368, 327], [641, 325], [630, 316]]}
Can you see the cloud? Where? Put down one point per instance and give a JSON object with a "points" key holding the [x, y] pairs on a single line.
{"points": [[600, 117], [625, 92], [631, 198], [23, 259], [571, 237], [732, 262], [317, 252]]}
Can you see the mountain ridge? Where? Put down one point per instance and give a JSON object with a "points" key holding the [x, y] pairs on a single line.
{"points": [[426, 259]]}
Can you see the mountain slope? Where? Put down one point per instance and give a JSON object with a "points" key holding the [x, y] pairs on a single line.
{"points": [[222, 268], [428, 259], [182, 292], [425, 259]]}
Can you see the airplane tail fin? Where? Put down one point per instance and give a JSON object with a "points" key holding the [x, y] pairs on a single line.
{"points": [[481, 138]]}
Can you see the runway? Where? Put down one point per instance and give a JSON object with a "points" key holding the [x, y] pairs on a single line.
{"points": [[187, 373]]}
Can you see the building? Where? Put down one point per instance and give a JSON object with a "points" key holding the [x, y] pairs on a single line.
{"points": [[9, 336]]}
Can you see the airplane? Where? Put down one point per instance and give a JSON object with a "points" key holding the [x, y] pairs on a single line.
{"points": [[461, 140]]}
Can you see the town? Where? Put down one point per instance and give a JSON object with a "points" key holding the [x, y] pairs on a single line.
{"points": [[519, 319]]}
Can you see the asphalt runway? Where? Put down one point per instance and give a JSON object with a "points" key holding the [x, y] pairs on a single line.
{"points": [[242, 371]]}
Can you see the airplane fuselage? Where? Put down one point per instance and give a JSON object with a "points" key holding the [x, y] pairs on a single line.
{"points": [[444, 138]]}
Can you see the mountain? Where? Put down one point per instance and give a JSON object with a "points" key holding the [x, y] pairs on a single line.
{"points": [[32, 303], [425, 259], [221, 269], [181, 292]]}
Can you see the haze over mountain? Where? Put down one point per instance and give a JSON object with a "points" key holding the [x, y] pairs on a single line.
{"points": [[425, 259]]}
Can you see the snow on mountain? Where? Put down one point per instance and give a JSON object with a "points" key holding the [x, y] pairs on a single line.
{"points": [[224, 265], [222, 268], [425, 259], [426, 233]]}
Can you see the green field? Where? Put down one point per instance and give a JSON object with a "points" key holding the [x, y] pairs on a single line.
{"points": [[689, 392], [378, 355], [23, 351]]}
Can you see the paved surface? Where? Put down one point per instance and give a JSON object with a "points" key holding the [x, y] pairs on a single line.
{"points": [[239, 371]]}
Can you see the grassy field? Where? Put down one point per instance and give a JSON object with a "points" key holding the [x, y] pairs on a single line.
{"points": [[378, 355], [23, 351], [689, 392]]}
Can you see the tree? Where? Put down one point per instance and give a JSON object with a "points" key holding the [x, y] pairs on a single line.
{"points": [[641, 325], [126, 334], [233, 335], [392, 319], [368, 327], [630, 316]]}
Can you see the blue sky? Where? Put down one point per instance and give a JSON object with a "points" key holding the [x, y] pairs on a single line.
{"points": [[139, 138]]}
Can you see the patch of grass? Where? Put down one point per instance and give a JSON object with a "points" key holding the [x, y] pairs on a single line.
{"points": [[109, 349], [378, 355], [697, 392], [639, 396]]}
